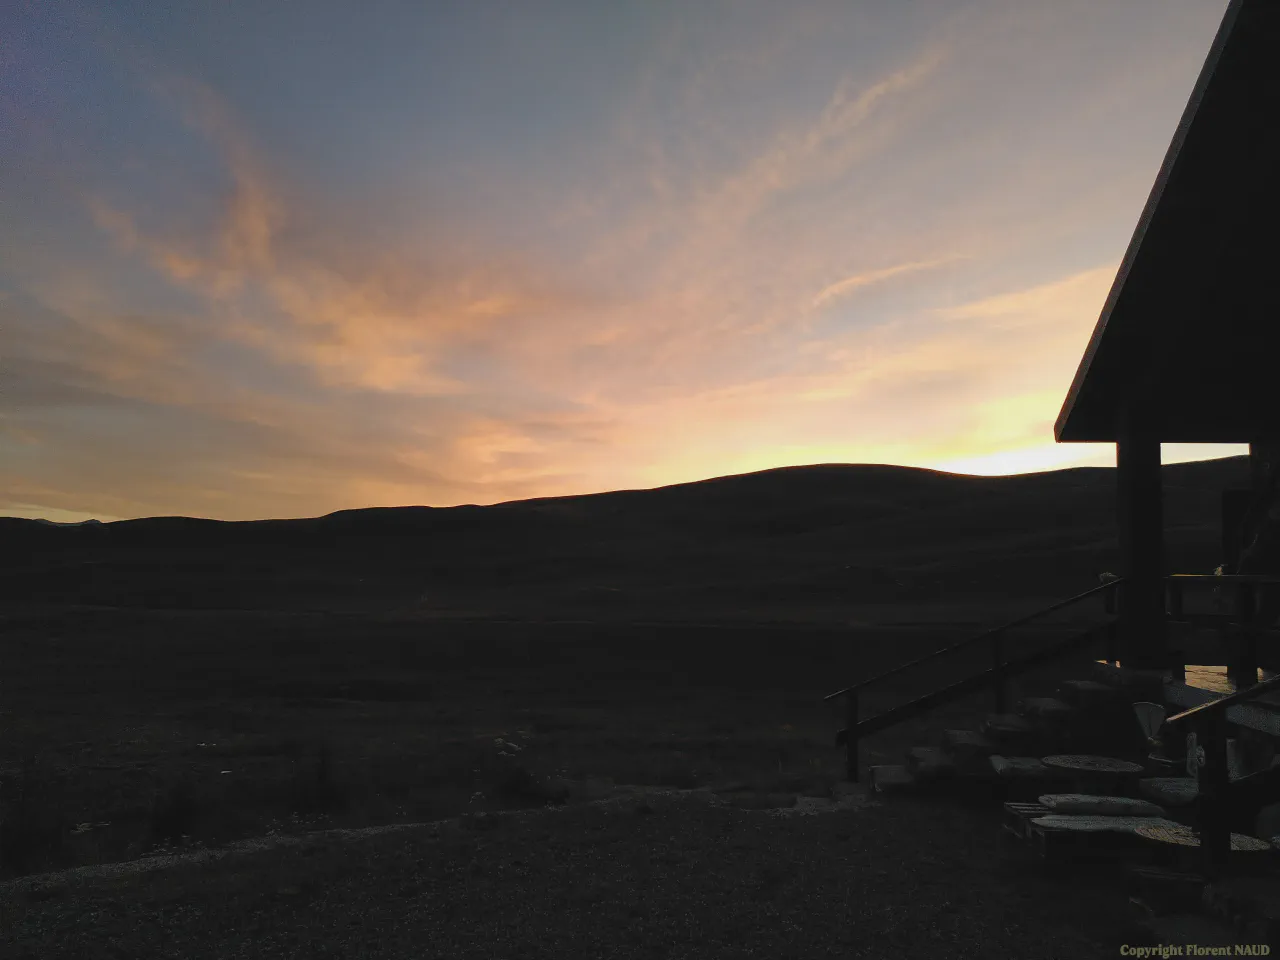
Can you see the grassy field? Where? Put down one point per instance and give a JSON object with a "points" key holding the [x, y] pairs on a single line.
{"points": [[129, 731]]}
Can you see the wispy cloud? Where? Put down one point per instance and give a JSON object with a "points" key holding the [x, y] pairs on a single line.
{"points": [[824, 148], [867, 278]]}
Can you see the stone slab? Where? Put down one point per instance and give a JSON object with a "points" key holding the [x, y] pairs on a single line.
{"points": [[1169, 791], [890, 778], [1083, 803]]}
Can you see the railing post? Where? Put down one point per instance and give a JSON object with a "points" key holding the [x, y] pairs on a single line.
{"points": [[1244, 654], [1002, 671], [1215, 824], [1247, 608], [1111, 641], [851, 742], [997, 664], [1112, 644]]}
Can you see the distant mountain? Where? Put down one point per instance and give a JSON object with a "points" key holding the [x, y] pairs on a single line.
{"points": [[812, 497], [799, 536]]}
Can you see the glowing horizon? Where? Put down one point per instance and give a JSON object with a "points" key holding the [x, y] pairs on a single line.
{"points": [[557, 253]]}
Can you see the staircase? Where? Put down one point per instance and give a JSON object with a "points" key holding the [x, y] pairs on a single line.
{"points": [[1081, 782]]}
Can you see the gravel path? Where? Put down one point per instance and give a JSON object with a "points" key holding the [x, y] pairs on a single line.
{"points": [[669, 876]]}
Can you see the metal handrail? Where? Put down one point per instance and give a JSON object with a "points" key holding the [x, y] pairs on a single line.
{"points": [[1225, 577], [1231, 699], [1220, 797], [977, 681], [1110, 584]]}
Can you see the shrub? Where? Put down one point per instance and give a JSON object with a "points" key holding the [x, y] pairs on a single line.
{"points": [[318, 789], [517, 787], [175, 813], [35, 824]]}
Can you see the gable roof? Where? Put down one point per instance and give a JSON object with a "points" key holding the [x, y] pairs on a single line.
{"points": [[1189, 328]]}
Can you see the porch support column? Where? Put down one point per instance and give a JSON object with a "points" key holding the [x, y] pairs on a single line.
{"points": [[1139, 499], [1264, 453]]}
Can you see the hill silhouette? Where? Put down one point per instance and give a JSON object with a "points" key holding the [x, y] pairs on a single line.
{"points": [[793, 540]]}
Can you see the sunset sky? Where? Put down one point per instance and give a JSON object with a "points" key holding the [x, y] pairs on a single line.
{"points": [[274, 259]]}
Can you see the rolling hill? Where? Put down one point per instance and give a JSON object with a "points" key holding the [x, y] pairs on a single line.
{"points": [[796, 542]]}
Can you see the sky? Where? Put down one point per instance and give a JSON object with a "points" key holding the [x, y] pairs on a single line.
{"points": [[279, 259]]}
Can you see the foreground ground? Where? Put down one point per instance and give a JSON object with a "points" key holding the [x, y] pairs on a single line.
{"points": [[124, 731], [128, 733], [670, 877]]}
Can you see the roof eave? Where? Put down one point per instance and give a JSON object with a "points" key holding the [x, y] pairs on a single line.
{"points": [[1066, 428]]}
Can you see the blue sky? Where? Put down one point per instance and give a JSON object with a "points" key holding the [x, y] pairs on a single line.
{"points": [[277, 259]]}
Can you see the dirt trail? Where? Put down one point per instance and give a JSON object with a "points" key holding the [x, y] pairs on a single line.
{"points": [[848, 797]]}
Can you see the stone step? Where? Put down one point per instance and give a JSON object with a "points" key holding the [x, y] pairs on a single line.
{"points": [[1170, 792], [1095, 723], [891, 778], [1019, 768], [1092, 711], [967, 746], [1089, 721], [1018, 816], [1159, 765], [1095, 774], [1023, 778], [1007, 728], [1091, 693], [1070, 839], [930, 763], [1045, 709], [1093, 823], [1139, 684], [1092, 804], [1178, 846], [969, 751]]}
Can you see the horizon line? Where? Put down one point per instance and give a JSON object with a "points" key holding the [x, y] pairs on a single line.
{"points": [[600, 493]]}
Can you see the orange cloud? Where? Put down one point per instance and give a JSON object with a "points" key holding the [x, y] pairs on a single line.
{"points": [[356, 317]]}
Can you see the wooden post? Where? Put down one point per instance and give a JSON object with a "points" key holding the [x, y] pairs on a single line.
{"points": [[997, 663], [1174, 599], [851, 742], [1243, 645], [1139, 496], [1175, 614], [1175, 747], [1235, 503], [1246, 605], [1264, 454], [1215, 824], [1247, 668]]}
